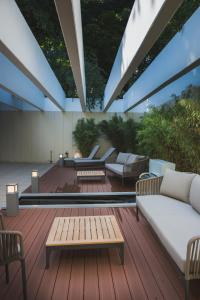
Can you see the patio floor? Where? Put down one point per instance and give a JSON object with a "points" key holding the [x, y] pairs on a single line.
{"points": [[148, 272], [20, 173], [63, 180]]}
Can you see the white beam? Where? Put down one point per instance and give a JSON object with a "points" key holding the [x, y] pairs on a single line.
{"points": [[10, 100], [146, 22], [169, 65], [14, 81], [20, 46], [69, 13]]}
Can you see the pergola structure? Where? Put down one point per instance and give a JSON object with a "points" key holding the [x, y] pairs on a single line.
{"points": [[27, 81]]}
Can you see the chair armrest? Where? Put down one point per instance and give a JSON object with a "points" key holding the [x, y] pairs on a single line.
{"points": [[136, 168], [150, 186], [192, 267]]}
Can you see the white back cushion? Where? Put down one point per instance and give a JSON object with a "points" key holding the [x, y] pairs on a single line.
{"points": [[195, 193], [122, 158], [132, 158], [176, 185]]}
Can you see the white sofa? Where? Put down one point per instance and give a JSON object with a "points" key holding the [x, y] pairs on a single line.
{"points": [[128, 165], [171, 205]]}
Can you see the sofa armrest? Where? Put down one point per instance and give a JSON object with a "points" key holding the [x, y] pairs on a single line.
{"points": [[136, 168], [192, 267], [150, 186]]}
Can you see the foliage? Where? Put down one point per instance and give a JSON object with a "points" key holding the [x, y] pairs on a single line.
{"points": [[175, 25], [122, 134], [94, 82], [103, 25], [173, 133], [85, 135], [104, 22]]}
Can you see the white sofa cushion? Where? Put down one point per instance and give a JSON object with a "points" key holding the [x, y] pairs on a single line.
{"points": [[116, 168], [122, 158], [174, 222], [176, 185], [195, 193]]}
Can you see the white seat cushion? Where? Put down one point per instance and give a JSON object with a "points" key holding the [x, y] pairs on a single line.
{"points": [[195, 193], [174, 222], [176, 185], [116, 168]]}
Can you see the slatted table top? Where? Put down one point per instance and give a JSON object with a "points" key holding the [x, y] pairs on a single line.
{"points": [[68, 231], [92, 173]]}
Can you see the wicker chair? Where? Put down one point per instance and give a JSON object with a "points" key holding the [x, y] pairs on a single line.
{"points": [[11, 249], [192, 271], [132, 170]]}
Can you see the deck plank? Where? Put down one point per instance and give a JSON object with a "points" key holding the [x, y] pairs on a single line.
{"points": [[59, 180], [163, 282], [24, 225], [32, 248], [148, 272], [47, 284]]}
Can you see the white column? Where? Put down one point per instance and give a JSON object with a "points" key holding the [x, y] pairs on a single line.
{"points": [[10, 100], [146, 22], [20, 46], [177, 58], [14, 81], [69, 13]]}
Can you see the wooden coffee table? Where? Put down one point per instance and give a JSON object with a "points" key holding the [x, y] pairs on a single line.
{"points": [[88, 174], [89, 232]]}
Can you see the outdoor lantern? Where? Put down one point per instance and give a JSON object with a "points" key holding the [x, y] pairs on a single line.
{"points": [[35, 173], [35, 181], [61, 160], [77, 154], [12, 201], [11, 188]]}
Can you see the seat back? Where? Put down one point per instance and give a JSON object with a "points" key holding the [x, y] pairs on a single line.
{"points": [[2, 226], [11, 246], [94, 152], [122, 158], [107, 154]]}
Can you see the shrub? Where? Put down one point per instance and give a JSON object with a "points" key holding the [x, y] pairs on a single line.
{"points": [[121, 134], [173, 133], [85, 135]]}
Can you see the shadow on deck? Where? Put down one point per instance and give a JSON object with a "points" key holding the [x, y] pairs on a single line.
{"points": [[148, 272]]}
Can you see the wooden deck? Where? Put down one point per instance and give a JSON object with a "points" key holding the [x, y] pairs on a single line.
{"points": [[147, 273], [63, 180]]}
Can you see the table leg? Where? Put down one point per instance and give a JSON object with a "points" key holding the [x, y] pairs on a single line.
{"points": [[47, 257], [121, 253]]}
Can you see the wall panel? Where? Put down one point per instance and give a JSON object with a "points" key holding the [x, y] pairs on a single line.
{"points": [[29, 136]]}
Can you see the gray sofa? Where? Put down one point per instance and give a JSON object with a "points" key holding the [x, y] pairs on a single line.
{"points": [[128, 165], [171, 205]]}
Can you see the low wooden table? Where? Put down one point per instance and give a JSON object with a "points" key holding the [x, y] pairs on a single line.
{"points": [[89, 232], [88, 174]]}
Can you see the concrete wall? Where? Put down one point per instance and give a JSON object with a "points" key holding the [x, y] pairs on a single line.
{"points": [[29, 136]]}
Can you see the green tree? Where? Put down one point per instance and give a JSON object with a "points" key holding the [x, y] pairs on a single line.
{"points": [[95, 83], [173, 133], [121, 134], [86, 135], [104, 22]]}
